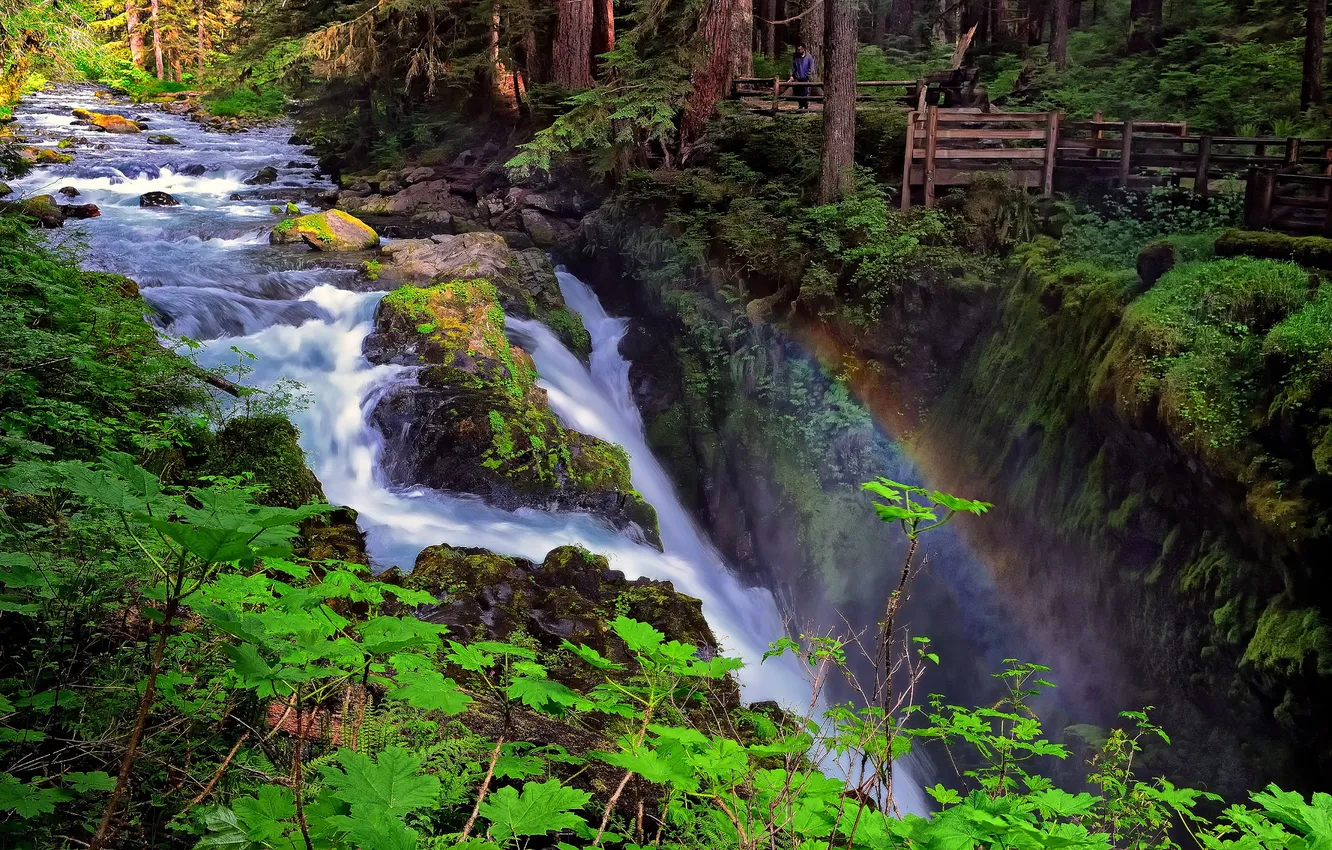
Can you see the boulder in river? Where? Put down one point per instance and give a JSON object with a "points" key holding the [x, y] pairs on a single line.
{"points": [[157, 199], [524, 279], [195, 170], [69, 191], [80, 210], [162, 139], [45, 156], [263, 176], [331, 230], [567, 596], [43, 208], [109, 123], [476, 422]]}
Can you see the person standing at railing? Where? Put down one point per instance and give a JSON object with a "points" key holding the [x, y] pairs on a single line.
{"points": [[802, 71]]}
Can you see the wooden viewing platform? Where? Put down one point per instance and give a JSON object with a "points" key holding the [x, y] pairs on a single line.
{"points": [[1288, 180]]}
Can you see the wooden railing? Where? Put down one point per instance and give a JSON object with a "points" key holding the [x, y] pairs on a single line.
{"points": [[1289, 202], [951, 147], [765, 95]]}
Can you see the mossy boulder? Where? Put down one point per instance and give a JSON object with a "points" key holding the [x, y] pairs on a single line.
{"points": [[109, 123], [43, 208], [45, 156], [162, 139], [571, 595], [331, 230], [476, 422], [524, 280], [1312, 251], [268, 446]]}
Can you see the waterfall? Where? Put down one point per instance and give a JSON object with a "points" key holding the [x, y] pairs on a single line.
{"points": [[208, 272]]}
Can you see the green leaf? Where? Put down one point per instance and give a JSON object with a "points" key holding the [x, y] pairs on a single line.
{"points": [[224, 830], [469, 658], [383, 635], [591, 657], [392, 782], [97, 780], [542, 807], [542, 694], [267, 817], [638, 636], [28, 800], [430, 691]]}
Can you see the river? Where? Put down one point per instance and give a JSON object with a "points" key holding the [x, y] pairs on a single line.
{"points": [[207, 270]]}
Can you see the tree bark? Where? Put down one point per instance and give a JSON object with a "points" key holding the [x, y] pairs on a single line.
{"points": [[199, 46], [571, 57], [837, 177], [1036, 13], [157, 42], [900, 17], [603, 32], [1074, 14], [811, 34], [742, 40], [1315, 32], [1140, 26], [712, 77], [1059, 35], [769, 30], [135, 33]]}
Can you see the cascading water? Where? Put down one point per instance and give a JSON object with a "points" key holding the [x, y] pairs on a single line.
{"points": [[207, 270]]}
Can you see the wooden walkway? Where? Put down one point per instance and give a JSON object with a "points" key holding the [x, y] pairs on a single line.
{"points": [[1288, 180]]}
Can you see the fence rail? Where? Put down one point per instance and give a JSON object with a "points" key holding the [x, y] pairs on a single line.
{"points": [[1288, 180]]}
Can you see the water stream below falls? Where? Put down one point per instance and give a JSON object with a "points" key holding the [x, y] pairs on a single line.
{"points": [[207, 269]]}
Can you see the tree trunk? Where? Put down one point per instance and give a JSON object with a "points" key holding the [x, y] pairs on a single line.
{"points": [[742, 40], [135, 32], [571, 57], [1074, 14], [1315, 27], [837, 177], [1036, 12], [899, 17], [603, 32], [1059, 35], [157, 42], [712, 77], [1138, 38], [811, 34], [769, 30], [175, 66], [199, 46]]}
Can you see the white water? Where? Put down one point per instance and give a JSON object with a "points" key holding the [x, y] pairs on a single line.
{"points": [[207, 268]]}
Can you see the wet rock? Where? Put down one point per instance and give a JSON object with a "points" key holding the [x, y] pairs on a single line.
{"points": [[196, 170], [438, 220], [476, 422], [69, 191], [568, 596], [235, 196], [332, 230], [106, 122], [298, 140], [42, 208], [263, 176], [157, 199], [290, 193], [515, 240], [80, 210], [180, 107], [421, 174], [45, 156], [4, 189], [162, 139]]}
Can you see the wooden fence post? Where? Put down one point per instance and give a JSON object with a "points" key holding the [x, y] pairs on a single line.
{"points": [[912, 117], [1100, 134], [1200, 186], [1126, 154], [931, 127], [776, 94], [1293, 152], [1259, 192], [1051, 147]]}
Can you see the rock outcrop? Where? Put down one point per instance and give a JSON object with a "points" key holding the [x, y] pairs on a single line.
{"points": [[106, 122], [331, 230], [484, 596], [524, 279], [474, 420]]}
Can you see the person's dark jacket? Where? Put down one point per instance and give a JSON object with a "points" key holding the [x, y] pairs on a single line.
{"points": [[802, 67]]}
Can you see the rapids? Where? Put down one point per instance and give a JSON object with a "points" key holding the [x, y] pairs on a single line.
{"points": [[206, 269]]}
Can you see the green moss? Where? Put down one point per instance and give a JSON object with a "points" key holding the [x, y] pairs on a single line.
{"points": [[285, 226], [1312, 251], [371, 269], [569, 328], [1289, 642], [267, 446]]}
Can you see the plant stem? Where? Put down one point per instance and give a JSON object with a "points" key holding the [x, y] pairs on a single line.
{"points": [[104, 829], [485, 786]]}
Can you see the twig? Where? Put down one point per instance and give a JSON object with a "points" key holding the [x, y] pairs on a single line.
{"points": [[610, 807], [485, 786], [221, 769], [816, 5]]}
